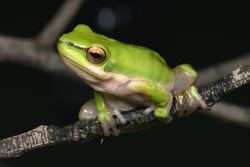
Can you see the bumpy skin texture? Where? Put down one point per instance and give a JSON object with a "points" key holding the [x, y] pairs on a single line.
{"points": [[129, 76]]}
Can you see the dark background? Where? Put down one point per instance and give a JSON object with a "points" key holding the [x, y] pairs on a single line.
{"points": [[200, 34]]}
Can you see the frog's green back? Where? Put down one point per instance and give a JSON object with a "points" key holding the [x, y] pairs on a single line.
{"points": [[140, 62]]}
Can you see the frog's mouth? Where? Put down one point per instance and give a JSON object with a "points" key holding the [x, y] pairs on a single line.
{"points": [[83, 72], [73, 64]]}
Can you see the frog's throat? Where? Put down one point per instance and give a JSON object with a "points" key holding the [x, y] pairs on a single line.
{"points": [[98, 74], [113, 83]]}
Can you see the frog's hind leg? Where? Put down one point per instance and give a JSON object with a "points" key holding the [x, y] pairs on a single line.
{"points": [[184, 77], [161, 110], [185, 91], [162, 116], [105, 116], [158, 95]]}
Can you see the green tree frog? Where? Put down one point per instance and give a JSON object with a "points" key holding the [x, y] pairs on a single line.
{"points": [[125, 76]]}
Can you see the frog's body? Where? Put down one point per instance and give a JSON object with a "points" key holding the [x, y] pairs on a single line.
{"points": [[124, 76]]}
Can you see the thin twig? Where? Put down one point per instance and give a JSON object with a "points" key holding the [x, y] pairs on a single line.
{"points": [[38, 52], [89, 130], [57, 24], [231, 112], [216, 71], [25, 51]]}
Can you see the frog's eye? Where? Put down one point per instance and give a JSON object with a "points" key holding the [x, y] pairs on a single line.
{"points": [[96, 55]]}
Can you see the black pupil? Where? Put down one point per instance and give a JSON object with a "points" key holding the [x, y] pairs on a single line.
{"points": [[96, 55]]}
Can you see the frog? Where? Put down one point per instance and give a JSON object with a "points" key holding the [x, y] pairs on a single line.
{"points": [[125, 77]]}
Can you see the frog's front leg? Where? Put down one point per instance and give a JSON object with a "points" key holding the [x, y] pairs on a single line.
{"points": [[104, 115], [89, 111], [186, 93], [158, 95]]}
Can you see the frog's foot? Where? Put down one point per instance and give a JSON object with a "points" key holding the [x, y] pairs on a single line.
{"points": [[118, 114], [163, 114], [107, 123], [189, 100], [149, 109]]}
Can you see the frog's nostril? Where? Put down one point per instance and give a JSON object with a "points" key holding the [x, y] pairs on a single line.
{"points": [[73, 45], [59, 42], [69, 43]]}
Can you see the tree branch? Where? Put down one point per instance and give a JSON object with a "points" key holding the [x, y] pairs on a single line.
{"points": [[25, 51], [49, 35], [38, 52], [216, 71], [231, 112], [88, 130]]}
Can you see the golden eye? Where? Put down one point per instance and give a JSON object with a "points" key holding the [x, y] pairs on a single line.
{"points": [[96, 55]]}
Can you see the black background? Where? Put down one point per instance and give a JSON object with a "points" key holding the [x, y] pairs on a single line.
{"points": [[198, 33]]}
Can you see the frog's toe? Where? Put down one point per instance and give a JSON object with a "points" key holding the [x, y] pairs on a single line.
{"points": [[163, 115], [106, 129], [189, 101], [196, 99], [108, 124], [149, 109], [115, 131], [202, 104], [167, 120], [118, 114], [161, 112]]}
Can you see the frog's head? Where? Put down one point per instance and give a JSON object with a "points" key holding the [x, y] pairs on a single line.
{"points": [[87, 53]]}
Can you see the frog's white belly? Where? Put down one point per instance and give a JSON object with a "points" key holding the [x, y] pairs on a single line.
{"points": [[126, 103], [118, 94]]}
